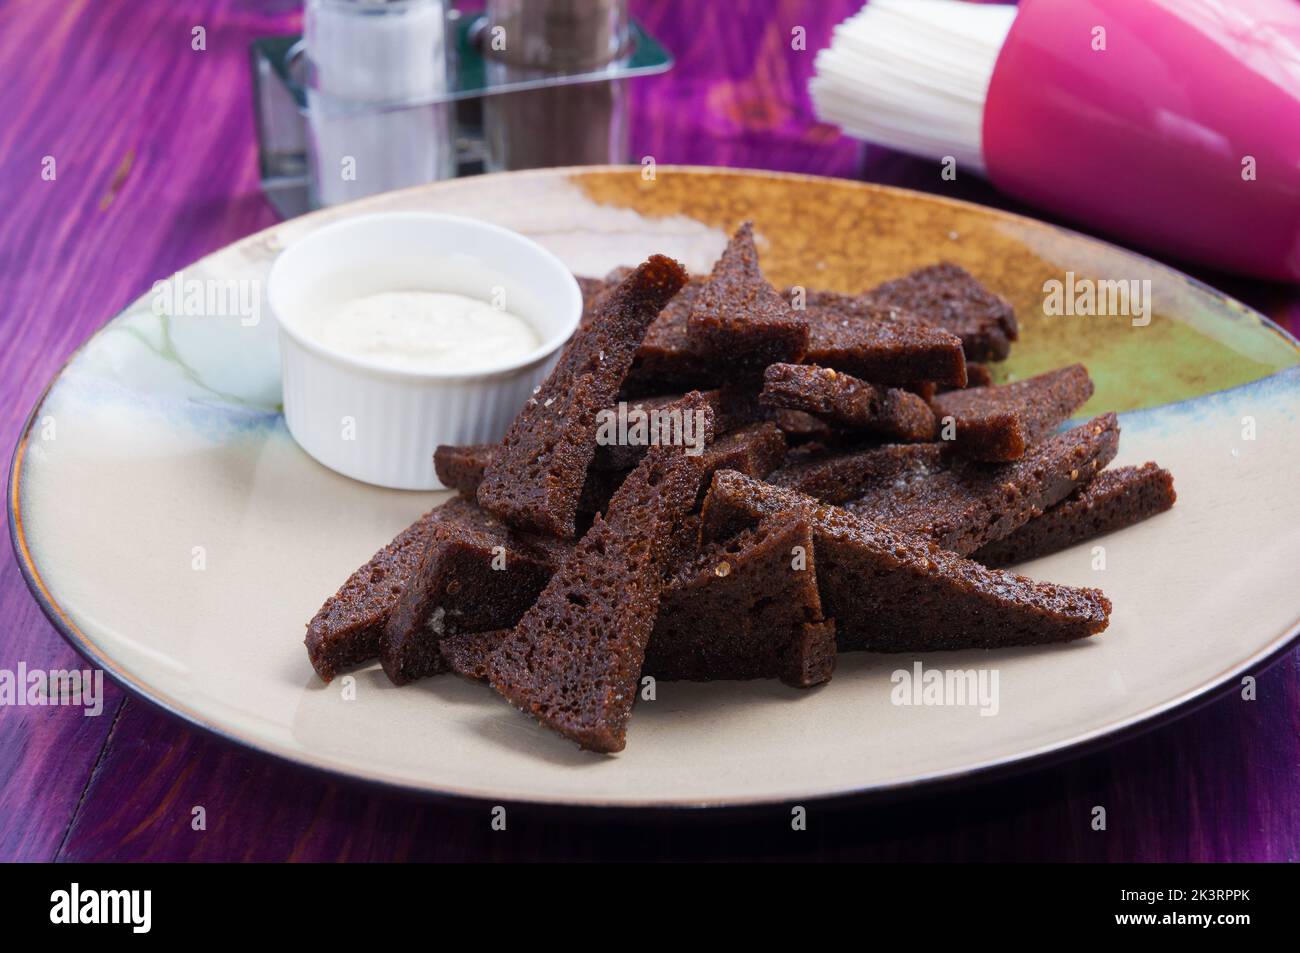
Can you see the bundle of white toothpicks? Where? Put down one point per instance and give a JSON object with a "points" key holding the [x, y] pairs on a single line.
{"points": [[913, 75]]}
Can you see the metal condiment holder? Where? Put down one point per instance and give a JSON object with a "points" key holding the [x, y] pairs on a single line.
{"points": [[280, 98]]}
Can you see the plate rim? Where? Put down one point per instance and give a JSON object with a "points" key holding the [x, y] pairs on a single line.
{"points": [[1185, 703]]}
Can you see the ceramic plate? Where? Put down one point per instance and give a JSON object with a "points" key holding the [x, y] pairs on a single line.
{"points": [[178, 537]]}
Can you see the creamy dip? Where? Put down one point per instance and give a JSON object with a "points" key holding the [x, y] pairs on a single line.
{"points": [[427, 331]]}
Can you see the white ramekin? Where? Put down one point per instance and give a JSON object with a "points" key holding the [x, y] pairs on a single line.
{"points": [[381, 424]]}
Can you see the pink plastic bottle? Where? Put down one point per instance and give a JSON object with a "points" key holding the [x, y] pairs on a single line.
{"points": [[1170, 123]]}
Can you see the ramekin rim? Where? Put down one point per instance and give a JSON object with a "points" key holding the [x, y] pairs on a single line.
{"points": [[378, 368]]}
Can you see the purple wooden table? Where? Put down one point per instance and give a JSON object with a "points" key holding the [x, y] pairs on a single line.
{"points": [[155, 167]]}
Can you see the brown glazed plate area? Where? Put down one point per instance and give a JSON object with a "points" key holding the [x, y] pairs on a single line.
{"points": [[214, 537]]}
